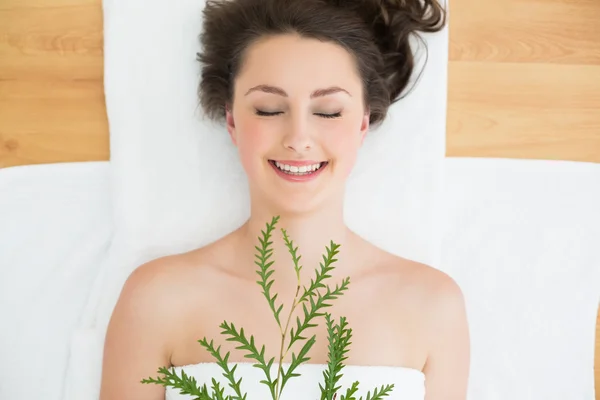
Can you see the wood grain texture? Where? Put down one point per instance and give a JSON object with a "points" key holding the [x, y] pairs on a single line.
{"points": [[523, 110], [525, 31], [51, 91], [50, 121], [524, 82], [524, 78]]}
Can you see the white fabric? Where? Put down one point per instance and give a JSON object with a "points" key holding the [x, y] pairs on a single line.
{"points": [[522, 238], [55, 230], [409, 384], [177, 180]]}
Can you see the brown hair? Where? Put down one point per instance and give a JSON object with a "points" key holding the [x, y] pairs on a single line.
{"points": [[376, 32]]}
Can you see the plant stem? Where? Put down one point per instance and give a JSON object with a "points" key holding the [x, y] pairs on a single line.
{"points": [[283, 334]]}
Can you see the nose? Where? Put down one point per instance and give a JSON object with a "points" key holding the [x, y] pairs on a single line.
{"points": [[298, 137]]}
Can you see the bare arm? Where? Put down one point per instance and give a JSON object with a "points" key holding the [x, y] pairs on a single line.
{"points": [[135, 345], [448, 363]]}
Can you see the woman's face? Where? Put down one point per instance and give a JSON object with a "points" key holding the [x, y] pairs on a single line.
{"points": [[297, 106]]}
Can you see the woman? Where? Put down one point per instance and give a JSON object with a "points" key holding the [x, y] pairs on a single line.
{"points": [[298, 84]]}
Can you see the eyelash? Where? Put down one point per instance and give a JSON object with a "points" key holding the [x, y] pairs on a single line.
{"points": [[272, 114]]}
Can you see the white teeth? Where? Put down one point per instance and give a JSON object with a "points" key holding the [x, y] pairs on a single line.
{"points": [[294, 170]]}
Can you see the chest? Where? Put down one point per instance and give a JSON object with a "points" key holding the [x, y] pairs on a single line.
{"points": [[384, 330]]}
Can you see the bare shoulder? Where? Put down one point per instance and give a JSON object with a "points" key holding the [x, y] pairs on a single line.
{"points": [[180, 282], [142, 330], [156, 274], [440, 287], [164, 283], [434, 280], [440, 302], [425, 280], [435, 293], [148, 284], [152, 293]]}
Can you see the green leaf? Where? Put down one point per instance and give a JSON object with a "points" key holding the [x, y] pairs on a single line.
{"points": [[378, 395], [228, 373], [250, 346], [350, 392], [185, 383], [338, 337], [264, 254]]}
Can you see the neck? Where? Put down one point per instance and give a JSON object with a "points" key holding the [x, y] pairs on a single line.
{"points": [[311, 233]]}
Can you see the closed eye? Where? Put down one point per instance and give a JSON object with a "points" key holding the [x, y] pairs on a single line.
{"points": [[268, 114], [335, 115], [274, 113]]}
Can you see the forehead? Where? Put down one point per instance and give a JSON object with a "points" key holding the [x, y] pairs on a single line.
{"points": [[300, 64]]}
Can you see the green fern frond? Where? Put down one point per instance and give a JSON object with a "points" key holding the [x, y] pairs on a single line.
{"points": [[326, 268], [253, 352], [218, 391], [293, 252], [265, 251], [314, 300], [378, 395], [339, 336], [350, 392], [322, 301], [228, 373], [296, 361], [185, 383]]}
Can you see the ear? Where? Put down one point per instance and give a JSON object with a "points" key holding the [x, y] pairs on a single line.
{"points": [[364, 127], [230, 124]]}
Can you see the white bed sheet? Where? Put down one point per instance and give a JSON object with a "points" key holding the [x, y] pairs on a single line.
{"points": [[55, 230], [522, 238]]}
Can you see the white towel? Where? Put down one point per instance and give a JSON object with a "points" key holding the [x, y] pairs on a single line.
{"points": [[522, 238], [55, 231]]}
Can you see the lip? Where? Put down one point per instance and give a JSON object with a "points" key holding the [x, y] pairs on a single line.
{"points": [[298, 163], [298, 178]]}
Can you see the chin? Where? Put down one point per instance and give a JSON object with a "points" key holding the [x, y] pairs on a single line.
{"points": [[296, 205], [284, 196]]}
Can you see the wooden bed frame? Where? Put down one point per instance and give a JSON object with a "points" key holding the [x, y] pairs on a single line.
{"points": [[524, 82]]}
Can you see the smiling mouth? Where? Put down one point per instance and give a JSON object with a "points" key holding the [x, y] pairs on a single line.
{"points": [[298, 170]]}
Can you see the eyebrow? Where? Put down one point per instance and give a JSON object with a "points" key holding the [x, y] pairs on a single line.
{"points": [[280, 92]]}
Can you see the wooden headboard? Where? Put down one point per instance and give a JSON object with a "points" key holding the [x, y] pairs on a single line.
{"points": [[524, 82]]}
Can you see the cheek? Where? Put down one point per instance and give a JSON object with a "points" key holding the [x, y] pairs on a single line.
{"points": [[344, 143], [253, 143]]}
